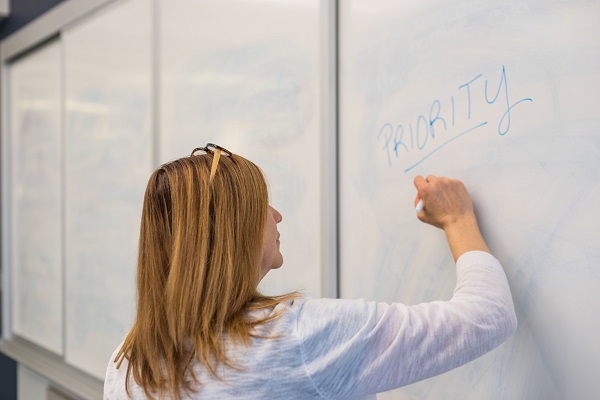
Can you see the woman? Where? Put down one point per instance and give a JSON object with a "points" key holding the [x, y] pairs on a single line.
{"points": [[208, 236]]}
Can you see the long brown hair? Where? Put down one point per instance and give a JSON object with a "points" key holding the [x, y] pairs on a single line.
{"points": [[199, 261]]}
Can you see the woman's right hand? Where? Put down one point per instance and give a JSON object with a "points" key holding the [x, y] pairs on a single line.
{"points": [[445, 201], [447, 205]]}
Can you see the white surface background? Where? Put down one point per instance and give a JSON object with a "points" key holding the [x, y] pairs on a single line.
{"points": [[535, 183], [35, 122], [108, 161]]}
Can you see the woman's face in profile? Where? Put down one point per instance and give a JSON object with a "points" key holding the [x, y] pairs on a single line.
{"points": [[272, 258]]}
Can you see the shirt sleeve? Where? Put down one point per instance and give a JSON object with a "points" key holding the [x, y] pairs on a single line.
{"points": [[353, 348]]}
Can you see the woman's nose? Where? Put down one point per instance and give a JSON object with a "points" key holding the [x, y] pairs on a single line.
{"points": [[277, 215]]}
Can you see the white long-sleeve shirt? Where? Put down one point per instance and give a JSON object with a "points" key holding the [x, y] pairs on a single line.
{"points": [[352, 349]]}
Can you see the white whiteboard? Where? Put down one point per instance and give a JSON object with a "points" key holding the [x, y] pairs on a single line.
{"points": [[108, 66], [246, 75], [504, 96], [35, 126], [138, 83]]}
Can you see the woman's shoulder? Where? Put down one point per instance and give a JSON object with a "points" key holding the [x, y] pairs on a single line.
{"points": [[323, 313], [304, 306], [293, 313], [114, 380]]}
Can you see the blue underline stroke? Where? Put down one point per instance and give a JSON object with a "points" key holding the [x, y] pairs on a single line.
{"points": [[444, 144]]}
